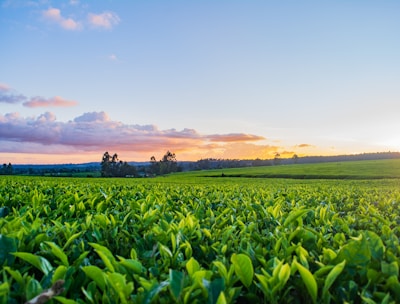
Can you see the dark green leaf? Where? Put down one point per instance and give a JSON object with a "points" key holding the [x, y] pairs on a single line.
{"points": [[7, 246], [177, 282]]}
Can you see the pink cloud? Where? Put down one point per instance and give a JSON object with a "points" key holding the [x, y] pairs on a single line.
{"points": [[54, 15], [106, 20], [56, 101], [4, 87], [95, 132]]}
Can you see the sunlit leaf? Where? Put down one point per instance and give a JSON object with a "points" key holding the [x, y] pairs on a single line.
{"points": [[308, 280], [243, 268]]}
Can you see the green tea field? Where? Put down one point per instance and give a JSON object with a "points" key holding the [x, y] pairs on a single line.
{"points": [[327, 234]]}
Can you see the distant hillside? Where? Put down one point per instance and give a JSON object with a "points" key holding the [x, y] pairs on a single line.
{"points": [[203, 164], [364, 169]]}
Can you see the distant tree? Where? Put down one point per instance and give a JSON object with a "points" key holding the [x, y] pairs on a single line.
{"points": [[277, 159], [169, 157], [106, 165], [166, 165], [295, 158], [111, 166], [6, 169], [154, 166]]}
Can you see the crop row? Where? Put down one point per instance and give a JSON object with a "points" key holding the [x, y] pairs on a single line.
{"points": [[119, 241]]}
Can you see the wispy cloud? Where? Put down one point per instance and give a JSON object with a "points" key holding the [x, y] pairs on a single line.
{"points": [[304, 146], [113, 58], [96, 132], [8, 95], [105, 20], [4, 87], [56, 101], [234, 137], [54, 15]]}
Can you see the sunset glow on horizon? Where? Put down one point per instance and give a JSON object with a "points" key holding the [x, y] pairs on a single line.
{"points": [[209, 79]]}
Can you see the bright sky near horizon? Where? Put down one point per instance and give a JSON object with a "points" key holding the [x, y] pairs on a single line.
{"points": [[221, 79]]}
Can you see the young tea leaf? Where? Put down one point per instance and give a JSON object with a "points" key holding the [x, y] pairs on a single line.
{"points": [[294, 215], [96, 274], [308, 280], [333, 274], [243, 268], [192, 266], [57, 251]]}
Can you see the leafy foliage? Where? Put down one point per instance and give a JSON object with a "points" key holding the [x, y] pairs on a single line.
{"points": [[166, 240]]}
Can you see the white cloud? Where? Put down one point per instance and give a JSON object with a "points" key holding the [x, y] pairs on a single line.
{"points": [[113, 57]]}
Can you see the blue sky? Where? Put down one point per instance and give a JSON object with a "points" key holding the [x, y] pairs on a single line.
{"points": [[230, 79]]}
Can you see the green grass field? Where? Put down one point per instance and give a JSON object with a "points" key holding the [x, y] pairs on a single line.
{"points": [[376, 169]]}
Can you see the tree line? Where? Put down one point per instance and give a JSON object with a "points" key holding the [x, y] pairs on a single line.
{"points": [[6, 169], [111, 166]]}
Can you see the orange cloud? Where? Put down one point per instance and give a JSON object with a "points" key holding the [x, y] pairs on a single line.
{"points": [[304, 146], [234, 137], [56, 101]]}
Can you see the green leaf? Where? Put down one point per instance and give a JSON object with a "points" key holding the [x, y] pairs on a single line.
{"points": [[33, 288], [243, 268], [356, 253], [308, 280], [391, 269], [105, 254], [4, 289], [177, 282], [164, 251], [59, 273], [221, 298], [375, 245], [284, 274], [71, 239], [192, 266], [96, 274], [118, 283], [214, 289], [333, 274], [57, 251], [7, 247], [294, 215], [16, 275], [39, 262], [4, 211], [65, 300], [132, 265]]}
